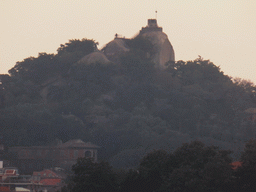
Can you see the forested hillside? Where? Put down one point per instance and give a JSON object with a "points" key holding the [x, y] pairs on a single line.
{"points": [[128, 108]]}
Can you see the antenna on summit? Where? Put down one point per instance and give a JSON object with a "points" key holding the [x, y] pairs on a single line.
{"points": [[156, 9]]}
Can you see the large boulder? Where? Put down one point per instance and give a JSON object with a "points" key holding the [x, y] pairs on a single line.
{"points": [[95, 57], [115, 48], [163, 47]]}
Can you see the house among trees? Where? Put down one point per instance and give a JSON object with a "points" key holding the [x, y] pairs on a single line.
{"points": [[37, 158]]}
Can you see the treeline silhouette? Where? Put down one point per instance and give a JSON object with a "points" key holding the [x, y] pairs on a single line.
{"points": [[191, 167], [128, 108]]}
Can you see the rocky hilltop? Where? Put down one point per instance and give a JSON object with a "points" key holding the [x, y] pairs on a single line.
{"points": [[163, 49]]}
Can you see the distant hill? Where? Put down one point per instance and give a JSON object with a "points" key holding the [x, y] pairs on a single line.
{"points": [[129, 98]]}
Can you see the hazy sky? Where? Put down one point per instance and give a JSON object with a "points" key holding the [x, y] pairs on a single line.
{"points": [[223, 31]]}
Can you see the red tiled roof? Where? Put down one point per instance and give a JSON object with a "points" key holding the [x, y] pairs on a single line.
{"points": [[4, 189], [35, 173], [46, 173], [10, 172], [50, 181], [236, 164]]}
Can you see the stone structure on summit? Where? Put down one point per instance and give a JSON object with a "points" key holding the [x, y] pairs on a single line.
{"points": [[118, 46]]}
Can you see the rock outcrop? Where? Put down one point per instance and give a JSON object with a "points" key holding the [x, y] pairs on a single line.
{"points": [[95, 57], [163, 47], [115, 48], [164, 50]]}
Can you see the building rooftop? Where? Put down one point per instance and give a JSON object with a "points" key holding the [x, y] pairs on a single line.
{"points": [[50, 182], [78, 143], [69, 144]]}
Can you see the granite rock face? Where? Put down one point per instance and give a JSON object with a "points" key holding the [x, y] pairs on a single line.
{"points": [[163, 47], [115, 48], [118, 46]]}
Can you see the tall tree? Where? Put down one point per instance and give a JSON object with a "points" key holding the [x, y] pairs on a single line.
{"points": [[197, 167], [92, 177], [246, 174], [36, 69]]}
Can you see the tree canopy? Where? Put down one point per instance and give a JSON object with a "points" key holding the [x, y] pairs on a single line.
{"points": [[92, 177], [191, 167], [129, 107]]}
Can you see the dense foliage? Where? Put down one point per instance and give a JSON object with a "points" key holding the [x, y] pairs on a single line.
{"points": [[246, 174], [191, 167], [127, 108], [92, 177]]}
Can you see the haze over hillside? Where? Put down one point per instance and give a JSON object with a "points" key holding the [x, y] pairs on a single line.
{"points": [[129, 98]]}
